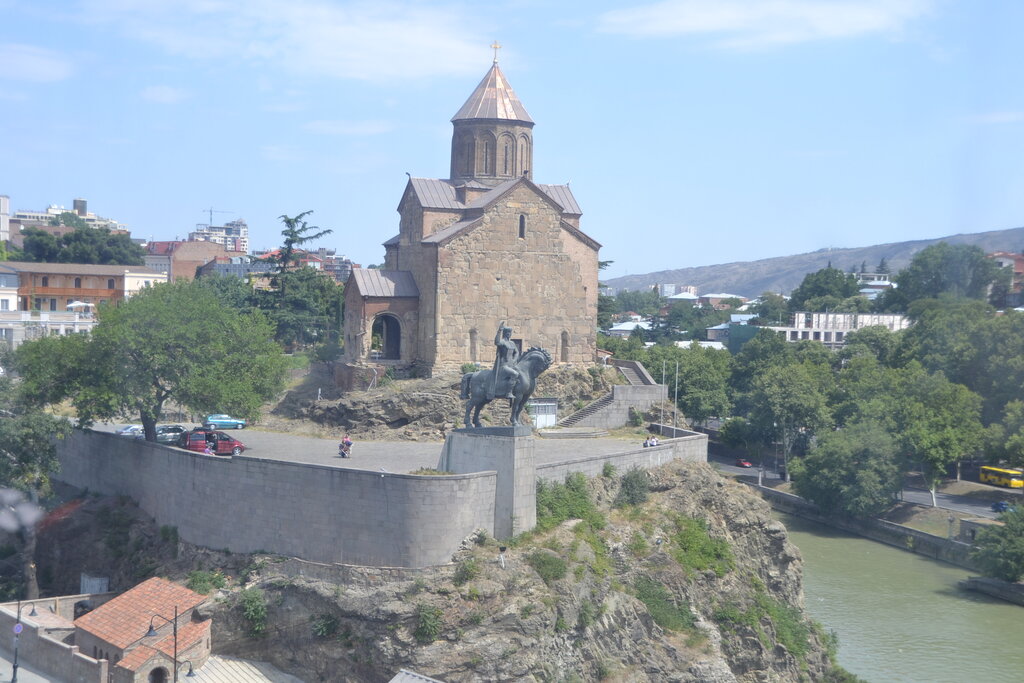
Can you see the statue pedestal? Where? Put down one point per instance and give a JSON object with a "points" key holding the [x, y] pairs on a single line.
{"points": [[509, 451]]}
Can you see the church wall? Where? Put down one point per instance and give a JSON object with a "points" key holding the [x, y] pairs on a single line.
{"points": [[542, 285], [358, 328]]}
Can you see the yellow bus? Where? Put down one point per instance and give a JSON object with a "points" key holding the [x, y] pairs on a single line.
{"points": [[999, 476]]}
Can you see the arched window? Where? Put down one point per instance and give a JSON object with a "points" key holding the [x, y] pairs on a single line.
{"points": [[508, 156], [488, 155], [78, 283], [522, 226], [565, 347], [473, 345]]}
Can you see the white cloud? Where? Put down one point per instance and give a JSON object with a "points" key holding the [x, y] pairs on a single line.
{"points": [[354, 40], [760, 23], [998, 117], [349, 127], [29, 63], [281, 153], [164, 94]]}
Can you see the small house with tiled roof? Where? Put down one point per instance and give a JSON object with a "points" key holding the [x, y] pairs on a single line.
{"points": [[485, 245], [144, 631]]}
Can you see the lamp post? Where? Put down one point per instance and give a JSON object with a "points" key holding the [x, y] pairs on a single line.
{"points": [[174, 624]]}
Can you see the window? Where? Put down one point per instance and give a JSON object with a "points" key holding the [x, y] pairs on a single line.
{"points": [[4, 305], [473, 345], [46, 281], [110, 283], [78, 283], [522, 226], [53, 304]]}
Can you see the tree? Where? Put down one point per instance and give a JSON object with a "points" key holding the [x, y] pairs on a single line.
{"points": [[69, 219], [852, 471], [876, 340], [1000, 549], [828, 281], [168, 342], [39, 246], [703, 385], [1005, 439], [788, 405], [771, 309], [83, 245], [944, 335], [28, 460], [646, 302], [296, 233], [308, 312], [958, 270]]}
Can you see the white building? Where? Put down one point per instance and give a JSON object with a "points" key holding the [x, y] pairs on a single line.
{"points": [[831, 329], [234, 235]]}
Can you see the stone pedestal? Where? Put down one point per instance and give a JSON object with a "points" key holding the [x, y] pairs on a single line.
{"points": [[509, 451]]}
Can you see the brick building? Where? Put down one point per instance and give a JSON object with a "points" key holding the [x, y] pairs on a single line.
{"points": [[485, 245]]}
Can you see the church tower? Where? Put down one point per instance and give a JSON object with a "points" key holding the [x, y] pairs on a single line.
{"points": [[493, 137]]}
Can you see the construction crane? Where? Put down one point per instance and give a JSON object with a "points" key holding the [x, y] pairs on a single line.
{"points": [[212, 211]]}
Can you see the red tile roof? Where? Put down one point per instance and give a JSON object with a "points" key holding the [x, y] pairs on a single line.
{"points": [[125, 619]]}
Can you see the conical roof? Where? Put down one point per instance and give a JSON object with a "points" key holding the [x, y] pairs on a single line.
{"points": [[493, 99]]}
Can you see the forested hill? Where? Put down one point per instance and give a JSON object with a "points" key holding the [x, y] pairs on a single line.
{"points": [[784, 273]]}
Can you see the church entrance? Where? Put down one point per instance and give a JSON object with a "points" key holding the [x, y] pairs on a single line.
{"points": [[386, 340], [158, 675]]}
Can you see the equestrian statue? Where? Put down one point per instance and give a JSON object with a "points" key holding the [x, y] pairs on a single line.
{"points": [[513, 377]]}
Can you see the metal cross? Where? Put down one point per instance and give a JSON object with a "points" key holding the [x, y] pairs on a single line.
{"points": [[496, 46]]}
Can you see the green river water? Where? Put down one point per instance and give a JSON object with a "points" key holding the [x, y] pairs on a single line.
{"points": [[900, 616]]}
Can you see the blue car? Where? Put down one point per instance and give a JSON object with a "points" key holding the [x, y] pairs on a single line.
{"points": [[1002, 506], [223, 422]]}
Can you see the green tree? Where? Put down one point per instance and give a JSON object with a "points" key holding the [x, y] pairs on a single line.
{"points": [[830, 282], [1005, 440], [296, 232], [646, 302], [69, 219], [172, 341], [876, 340], [789, 405], [944, 335], [308, 312], [28, 460], [606, 306], [957, 270], [772, 309], [83, 245], [852, 471], [1000, 549], [703, 384], [39, 246]]}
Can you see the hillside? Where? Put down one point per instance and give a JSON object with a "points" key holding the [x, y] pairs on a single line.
{"points": [[784, 273]]}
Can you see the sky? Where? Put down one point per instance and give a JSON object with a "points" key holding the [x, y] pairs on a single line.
{"points": [[692, 132]]}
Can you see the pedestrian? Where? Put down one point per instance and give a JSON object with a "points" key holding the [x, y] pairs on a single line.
{"points": [[345, 447]]}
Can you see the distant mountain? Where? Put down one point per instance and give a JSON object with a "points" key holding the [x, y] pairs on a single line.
{"points": [[785, 273]]}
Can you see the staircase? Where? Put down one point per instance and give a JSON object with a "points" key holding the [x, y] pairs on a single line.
{"points": [[633, 378], [586, 411]]}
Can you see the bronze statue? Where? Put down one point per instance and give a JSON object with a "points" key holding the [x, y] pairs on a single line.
{"points": [[513, 377]]}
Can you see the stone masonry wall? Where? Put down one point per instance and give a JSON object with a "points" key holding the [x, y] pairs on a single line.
{"points": [[325, 514], [57, 660], [490, 274], [692, 448]]}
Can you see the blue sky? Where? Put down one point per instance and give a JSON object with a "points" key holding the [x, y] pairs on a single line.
{"points": [[692, 132]]}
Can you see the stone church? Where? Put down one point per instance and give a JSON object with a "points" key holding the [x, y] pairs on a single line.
{"points": [[486, 245]]}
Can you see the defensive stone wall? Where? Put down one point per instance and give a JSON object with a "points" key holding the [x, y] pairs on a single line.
{"points": [[49, 656], [624, 397], [691, 448], [325, 514]]}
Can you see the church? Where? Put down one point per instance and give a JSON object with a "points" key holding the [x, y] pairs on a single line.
{"points": [[485, 245]]}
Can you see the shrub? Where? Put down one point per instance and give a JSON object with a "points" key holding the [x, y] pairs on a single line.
{"points": [[694, 549], [633, 489], [608, 471], [428, 624], [635, 418], [662, 608], [254, 609], [324, 625], [588, 614], [571, 500], [204, 582], [637, 545], [551, 567], [467, 570], [469, 367]]}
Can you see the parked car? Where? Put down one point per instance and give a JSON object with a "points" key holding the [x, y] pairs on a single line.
{"points": [[132, 431], [221, 444], [223, 422], [1002, 506], [169, 434], [740, 462]]}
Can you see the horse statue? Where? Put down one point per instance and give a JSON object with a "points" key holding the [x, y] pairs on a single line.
{"points": [[475, 385]]}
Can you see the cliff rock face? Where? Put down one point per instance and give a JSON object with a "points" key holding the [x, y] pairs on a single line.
{"points": [[698, 583]]}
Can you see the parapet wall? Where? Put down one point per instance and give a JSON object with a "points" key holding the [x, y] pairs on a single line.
{"points": [[692, 448], [55, 659], [246, 504], [624, 397]]}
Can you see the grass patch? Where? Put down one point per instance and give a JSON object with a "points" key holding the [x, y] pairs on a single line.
{"points": [[633, 490], [205, 582], [637, 545], [571, 500], [431, 472], [662, 608], [466, 571], [694, 549], [549, 566], [791, 631]]}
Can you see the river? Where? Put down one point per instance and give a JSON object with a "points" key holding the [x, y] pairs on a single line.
{"points": [[900, 616]]}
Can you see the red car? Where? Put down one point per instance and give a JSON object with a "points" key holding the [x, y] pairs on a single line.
{"points": [[219, 443], [740, 462]]}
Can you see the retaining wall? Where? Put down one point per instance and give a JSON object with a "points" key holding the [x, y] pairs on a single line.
{"points": [[55, 659], [246, 504], [1004, 590], [692, 448], [624, 397], [896, 535]]}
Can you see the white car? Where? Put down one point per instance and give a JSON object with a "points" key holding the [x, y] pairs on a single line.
{"points": [[131, 431]]}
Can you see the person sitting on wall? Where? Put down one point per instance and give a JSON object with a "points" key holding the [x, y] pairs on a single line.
{"points": [[647, 442], [654, 441], [345, 447]]}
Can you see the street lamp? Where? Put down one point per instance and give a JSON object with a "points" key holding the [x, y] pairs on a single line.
{"points": [[152, 632]]}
